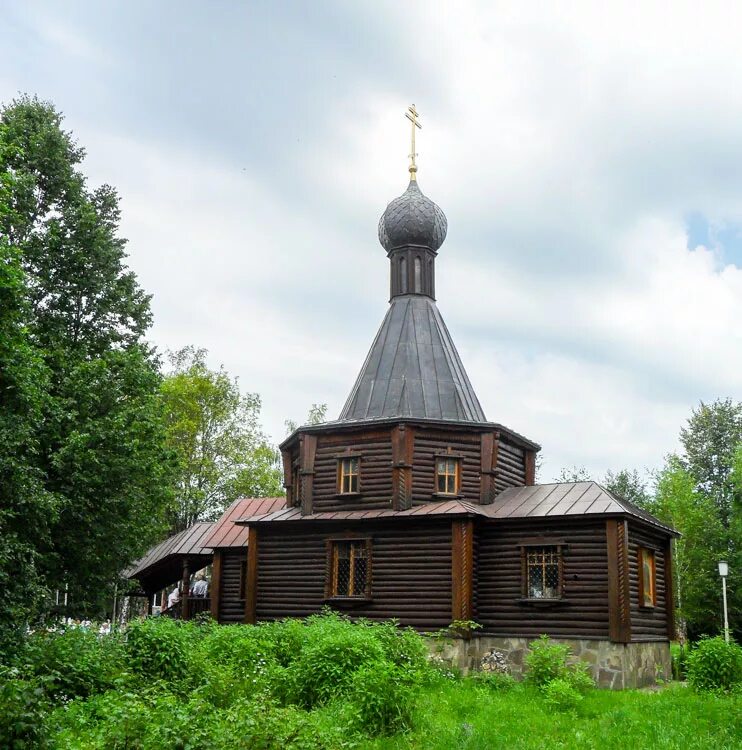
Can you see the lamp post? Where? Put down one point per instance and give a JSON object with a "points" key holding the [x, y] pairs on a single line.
{"points": [[724, 572]]}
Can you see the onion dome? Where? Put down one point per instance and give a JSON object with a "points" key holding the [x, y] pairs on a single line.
{"points": [[412, 220]]}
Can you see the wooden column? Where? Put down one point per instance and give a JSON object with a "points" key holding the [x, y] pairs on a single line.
{"points": [[186, 590], [462, 570], [619, 594], [530, 468], [308, 448], [669, 591], [251, 585], [216, 584], [403, 446], [488, 458], [290, 491]]}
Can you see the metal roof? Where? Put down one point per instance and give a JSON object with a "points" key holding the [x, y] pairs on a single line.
{"points": [[413, 370], [163, 563], [537, 501], [225, 533]]}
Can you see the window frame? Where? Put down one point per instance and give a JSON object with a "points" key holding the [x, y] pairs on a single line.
{"points": [[331, 544], [529, 545], [457, 475], [650, 554], [340, 474]]}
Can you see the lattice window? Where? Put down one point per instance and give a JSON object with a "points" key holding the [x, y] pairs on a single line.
{"points": [[349, 568], [447, 476], [646, 577], [543, 572], [348, 475]]}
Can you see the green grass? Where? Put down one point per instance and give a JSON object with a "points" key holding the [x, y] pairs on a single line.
{"points": [[465, 716]]}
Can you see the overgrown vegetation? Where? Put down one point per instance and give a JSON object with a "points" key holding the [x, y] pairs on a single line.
{"points": [[326, 682]]}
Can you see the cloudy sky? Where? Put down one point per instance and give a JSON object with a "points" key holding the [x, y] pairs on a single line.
{"points": [[589, 161]]}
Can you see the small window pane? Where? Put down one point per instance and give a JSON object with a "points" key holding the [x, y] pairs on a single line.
{"points": [[348, 475], [350, 568], [647, 557], [446, 476], [543, 572]]}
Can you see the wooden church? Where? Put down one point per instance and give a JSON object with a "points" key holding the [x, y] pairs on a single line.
{"points": [[412, 505]]}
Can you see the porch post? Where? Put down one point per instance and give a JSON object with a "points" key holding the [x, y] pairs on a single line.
{"points": [[184, 614], [251, 594], [462, 570], [619, 595]]}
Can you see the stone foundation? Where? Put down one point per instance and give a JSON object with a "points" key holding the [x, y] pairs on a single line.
{"points": [[613, 665]]}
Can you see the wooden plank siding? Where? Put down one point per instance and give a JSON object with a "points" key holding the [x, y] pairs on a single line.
{"points": [[231, 604], [375, 478], [647, 623], [584, 611], [412, 572]]}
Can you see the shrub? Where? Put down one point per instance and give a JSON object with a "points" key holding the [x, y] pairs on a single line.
{"points": [[561, 694], [382, 697], [324, 668], [74, 662], [715, 665], [24, 708], [158, 648], [546, 661], [498, 682], [678, 655]]}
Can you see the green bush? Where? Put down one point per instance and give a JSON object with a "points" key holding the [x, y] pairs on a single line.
{"points": [[715, 665], [498, 682], [324, 668], [678, 656], [158, 648], [545, 661], [24, 708], [561, 694], [382, 697], [75, 662]]}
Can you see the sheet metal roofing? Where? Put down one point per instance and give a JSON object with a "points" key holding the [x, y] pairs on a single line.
{"points": [[188, 543], [537, 501], [413, 370], [225, 533]]}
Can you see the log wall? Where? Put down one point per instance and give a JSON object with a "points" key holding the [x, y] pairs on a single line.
{"points": [[583, 613], [375, 481], [231, 605], [510, 466], [411, 572], [647, 624]]}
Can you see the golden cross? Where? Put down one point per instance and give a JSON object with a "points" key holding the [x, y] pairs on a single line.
{"points": [[412, 115]]}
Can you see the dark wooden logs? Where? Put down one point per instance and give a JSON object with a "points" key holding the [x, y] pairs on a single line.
{"points": [[462, 570], [216, 583], [251, 585], [619, 612], [308, 448], [403, 446], [670, 591], [647, 623]]}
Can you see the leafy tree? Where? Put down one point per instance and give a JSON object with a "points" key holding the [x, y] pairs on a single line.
{"points": [[573, 474], [317, 415], [710, 442], [214, 431], [629, 485], [678, 503], [101, 442]]}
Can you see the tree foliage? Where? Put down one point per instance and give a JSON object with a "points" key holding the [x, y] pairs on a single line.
{"points": [[100, 437], [317, 414], [215, 434], [628, 484]]}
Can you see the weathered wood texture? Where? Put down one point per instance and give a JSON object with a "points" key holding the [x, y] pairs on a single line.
{"points": [[228, 595], [510, 467], [647, 623], [412, 572], [216, 584], [462, 571], [583, 613], [431, 443], [619, 603], [251, 582], [375, 478]]}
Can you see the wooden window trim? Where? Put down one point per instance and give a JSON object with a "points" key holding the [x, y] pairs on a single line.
{"points": [[525, 546], [456, 475], [341, 475], [331, 568], [643, 552]]}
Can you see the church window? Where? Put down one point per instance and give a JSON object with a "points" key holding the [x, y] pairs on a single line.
{"points": [[349, 563], [447, 476], [348, 475], [403, 275], [418, 276], [543, 572], [647, 596]]}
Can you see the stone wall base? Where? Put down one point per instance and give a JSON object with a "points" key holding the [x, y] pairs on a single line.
{"points": [[613, 665]]}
